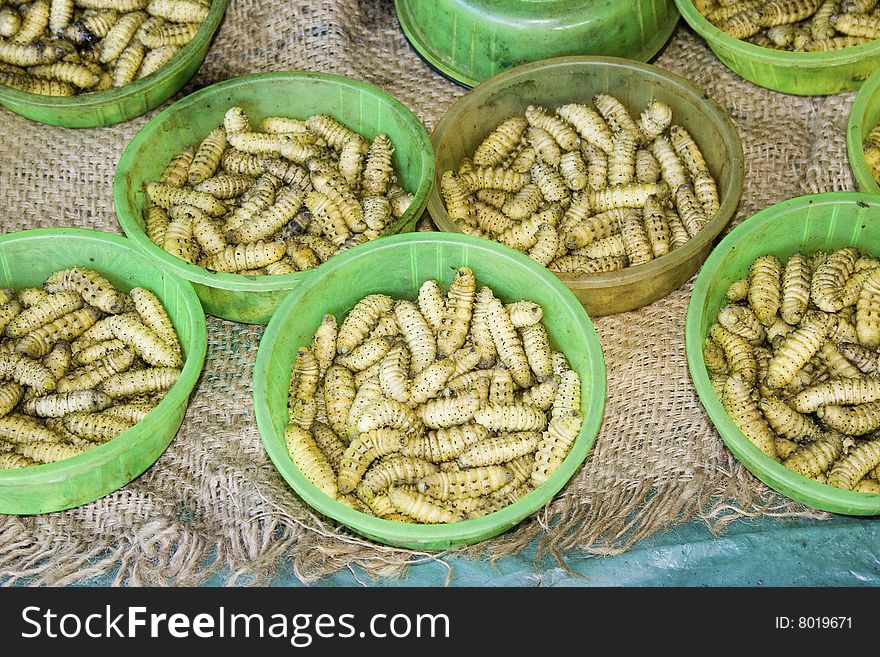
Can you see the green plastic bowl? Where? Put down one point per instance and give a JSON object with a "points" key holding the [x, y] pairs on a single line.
{"points": [[807, 223], [472, 40], [397, 266], [122, 104], [554, 82], [26, 259], [864, 115], [362, 107], [802, 73]]}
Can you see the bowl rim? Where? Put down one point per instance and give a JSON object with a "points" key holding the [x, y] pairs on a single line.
{"points": [[178, 393], [657, 266], [772, 473], [421, 536], [240, 282], [113, 95], [702, 26], [447, 67], [856, 132]]}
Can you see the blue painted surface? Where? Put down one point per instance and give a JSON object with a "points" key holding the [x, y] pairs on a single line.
{"points": [[754, 552]]}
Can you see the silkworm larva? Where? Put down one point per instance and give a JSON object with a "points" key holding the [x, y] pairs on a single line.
{"points": [[743, 322], [593, 228], [35, 21], [626, 196], [854, 25], [50, 452], [10, 22], [787, 422], [795, 289], [796, 349], [499, 144], [622, 160], [737, 401], [635, 240], [139, 382], [132, 412], [510, 418], [169, 197], [850, 469], [244, 257], [48, 309], [179, 11], [647, 169], [573, 170], [867, 486], [22, 429], [120, 35], [829, 277], [536, 344], [541, 395], [396, 470], [616, 115], [499, 449], [857, 420], [542, 148], [361, 319], [450, 411], [554, 446], [417, 333], [324, 343], [94, 426], [60, 404], [739, 353], [378, 167], [26, 54], [10, 460], [310, 460], [39, 342], [363, 450], [96, 290], [561, 131], [174, 34], [837, 391], [589, 125], [10, 394], [339, 393], [507, 343], [457, 311], [584, 265], [866, 360], [765, 288], [387, 413], [655, 119], [867, 310], [422, 508], [431, 303]]}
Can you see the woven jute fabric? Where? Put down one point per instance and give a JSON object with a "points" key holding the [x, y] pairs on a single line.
{"points": [[213, 504]]}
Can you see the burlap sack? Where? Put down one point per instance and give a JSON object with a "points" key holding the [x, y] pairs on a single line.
{"points": [[213, 503]]}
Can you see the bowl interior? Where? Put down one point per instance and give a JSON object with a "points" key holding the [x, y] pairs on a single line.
{"points": [[26, 259], [865, 114], [808, 223], [361, 107], [564, 80], [397, 266]]}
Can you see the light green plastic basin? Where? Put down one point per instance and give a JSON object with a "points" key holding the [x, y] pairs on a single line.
{"points": [[807, 223], [472, 40], [802, 73], [397, 266], [864, 115], [26, 259], [362, 107], [555, 82], [117, 105]]}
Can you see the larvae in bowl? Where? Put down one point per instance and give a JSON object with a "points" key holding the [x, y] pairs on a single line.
{"points": [[282, 198], [436, 410], [69, 47], [80, 363], [794, 357], [585, 188], [872, 152], [796, 25]]}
